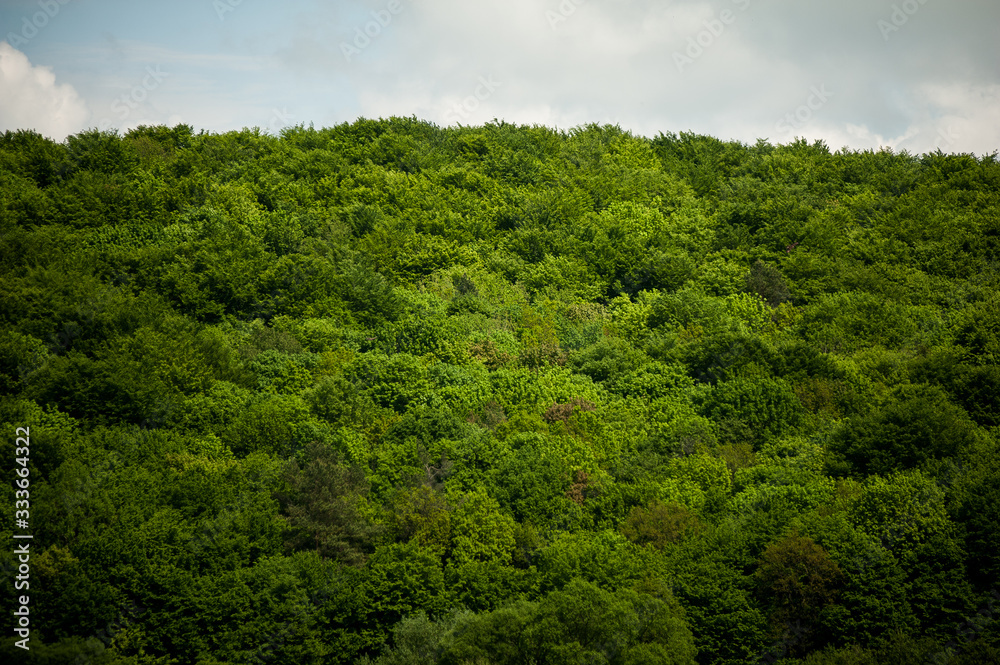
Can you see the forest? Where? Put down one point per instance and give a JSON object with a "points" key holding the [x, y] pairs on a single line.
{"points": [[391, 393]]}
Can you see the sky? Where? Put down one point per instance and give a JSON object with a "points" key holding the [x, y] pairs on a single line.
{"points": [[914, 75]]}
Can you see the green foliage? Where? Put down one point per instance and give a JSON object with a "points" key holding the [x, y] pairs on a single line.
{"points": [[101, 152], [606, 359], [283, 373], [274, 424], [919, 425], [388, 390], [580, 623], [583, 622], [480, 531], [768, 283], [728, 627], [901, 511], [393, 382], [605, 558], [850, 321], [532, 481], [321, 506], [417, 639], [978, 331], [798, 580], [402, 579], [873, 601], [753, 409], [659, 524], [979, 511]]}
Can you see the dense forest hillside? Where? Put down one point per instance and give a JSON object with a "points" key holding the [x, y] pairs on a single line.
{"points": [[391, 393]]}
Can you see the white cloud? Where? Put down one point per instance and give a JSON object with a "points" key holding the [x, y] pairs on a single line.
{"points": [[753, 70], [33, 100], [756, 63], [966, 117], [955, 117]]}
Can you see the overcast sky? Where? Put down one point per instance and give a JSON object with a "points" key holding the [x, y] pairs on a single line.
{"points": [[908, 74]]}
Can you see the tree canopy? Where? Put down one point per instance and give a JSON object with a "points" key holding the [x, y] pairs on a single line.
{"points": [[393, 393]]}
